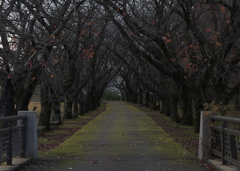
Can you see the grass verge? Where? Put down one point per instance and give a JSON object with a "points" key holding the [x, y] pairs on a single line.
{"points": [[52, 139], [185, 135]]}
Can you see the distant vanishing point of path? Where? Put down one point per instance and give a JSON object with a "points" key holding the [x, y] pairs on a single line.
{"points": [[122, 138]]}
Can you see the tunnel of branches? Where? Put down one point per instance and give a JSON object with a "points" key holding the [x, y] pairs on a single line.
{"points": [[176, 56]]}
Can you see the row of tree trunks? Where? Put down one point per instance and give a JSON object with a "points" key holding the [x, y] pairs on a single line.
{"points": [[170, 103]]}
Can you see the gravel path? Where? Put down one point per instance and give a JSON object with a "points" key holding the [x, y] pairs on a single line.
{"points": [[121, 139]]}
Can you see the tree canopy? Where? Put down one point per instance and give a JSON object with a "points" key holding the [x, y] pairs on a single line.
{"points": [[160, 53]]}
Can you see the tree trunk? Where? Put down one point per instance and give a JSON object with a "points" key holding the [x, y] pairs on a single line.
{"points": [[161, 105], [174, 108], [147, 99], [46, 107], [94, 103], [45, 114], [140, 100], [187, 111], [128, 99], [99, 103], [123, 96], [92, 97], [84, 106], [7, 98], [134, 98], [75, 109], [82, 112], [166, 107], [81, 108], [91, 103], [236, 102], [155, 105], [68, 108], [57, 112], [25, 94], [197, 108], [197, 114]]}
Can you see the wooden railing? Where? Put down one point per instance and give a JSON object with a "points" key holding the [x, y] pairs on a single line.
{"points": [[12, 137]]}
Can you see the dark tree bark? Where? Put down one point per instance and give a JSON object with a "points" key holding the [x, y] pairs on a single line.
{"points": [[140, 99], [147, 99], [166, 108], [46, 107], [236, 102], [45, 114], [174, 108], [83, 108], [75, 109], [197, 108], [25, 91], [68, 104], [7, 98], [186, 103], [57, 111]]}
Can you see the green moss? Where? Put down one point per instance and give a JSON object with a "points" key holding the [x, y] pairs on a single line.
{"points": [[75, 145], [161, 142]]}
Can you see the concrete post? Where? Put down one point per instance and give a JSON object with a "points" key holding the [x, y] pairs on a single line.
{"points": [[204, 149], [31, 134]]}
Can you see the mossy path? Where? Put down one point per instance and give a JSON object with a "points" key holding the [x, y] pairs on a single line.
{"points": [[122, 138]]}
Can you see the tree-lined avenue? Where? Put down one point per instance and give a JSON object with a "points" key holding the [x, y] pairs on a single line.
{"points": [[121, 138]]}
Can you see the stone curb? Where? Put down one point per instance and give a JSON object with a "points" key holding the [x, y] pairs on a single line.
{"points": [[217, 163], [17, 164]]}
